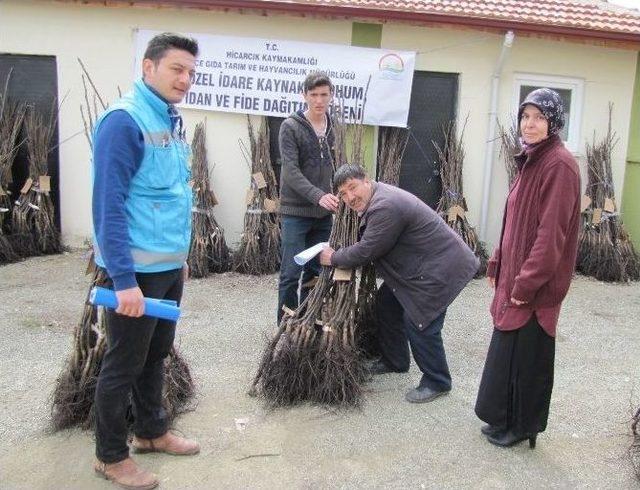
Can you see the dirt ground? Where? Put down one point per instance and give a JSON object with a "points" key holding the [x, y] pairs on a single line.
{"points": [[389, 443]]}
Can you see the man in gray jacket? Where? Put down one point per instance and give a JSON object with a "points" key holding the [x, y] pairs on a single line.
{"points": [[306, 202], [424, 265]]}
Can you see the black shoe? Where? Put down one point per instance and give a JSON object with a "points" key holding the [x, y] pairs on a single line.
{"points": [[423, 395], [509, 438], [491, 430], [380, 367]]}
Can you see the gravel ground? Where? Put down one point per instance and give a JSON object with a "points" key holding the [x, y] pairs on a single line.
{"points": [[387, 444]]}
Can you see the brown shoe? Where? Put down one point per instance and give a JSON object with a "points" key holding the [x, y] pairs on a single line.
{"points": [[168, 443], [127, 474]]}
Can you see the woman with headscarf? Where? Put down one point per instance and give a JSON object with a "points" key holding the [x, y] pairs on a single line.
{"points": [[530, 270]]}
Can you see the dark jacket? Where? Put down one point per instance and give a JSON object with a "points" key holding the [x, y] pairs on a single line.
{"points": [[423, 261], [307, 167], [535, 259]]}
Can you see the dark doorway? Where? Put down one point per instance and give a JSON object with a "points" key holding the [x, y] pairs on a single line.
{"points": [[433, 104], [274, 147], [33, 81]]}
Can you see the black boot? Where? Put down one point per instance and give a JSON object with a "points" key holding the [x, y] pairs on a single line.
{"points": [[491, 430], [509, 438]]}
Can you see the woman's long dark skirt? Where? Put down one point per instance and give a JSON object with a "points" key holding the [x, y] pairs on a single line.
{"points": [[515, 390]]}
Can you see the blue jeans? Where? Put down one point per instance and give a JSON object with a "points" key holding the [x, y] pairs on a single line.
{"points": [[395, 328], [298, 234]]}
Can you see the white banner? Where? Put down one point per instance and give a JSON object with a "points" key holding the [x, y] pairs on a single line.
{"points": [[264, 77]]}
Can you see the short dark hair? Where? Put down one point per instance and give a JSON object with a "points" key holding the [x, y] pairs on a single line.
{"points": [[346, 172], [317, 79], [161, 43]]}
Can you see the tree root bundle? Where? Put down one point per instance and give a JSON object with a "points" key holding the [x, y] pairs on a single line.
{"points": [[452, 206], [367, 338], [7, 251], [75, 387], [606, 253], [634, 450], [209, 251], [33, 213], [179, 388], [314, 356], [11, 118], [73, 395], [259, 250], [605, 250]]}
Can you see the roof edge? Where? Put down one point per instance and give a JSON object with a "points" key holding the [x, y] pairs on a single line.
{"points": [[385, 15]]}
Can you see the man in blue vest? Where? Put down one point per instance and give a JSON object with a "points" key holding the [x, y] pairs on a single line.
{"points": [[142, 229]]}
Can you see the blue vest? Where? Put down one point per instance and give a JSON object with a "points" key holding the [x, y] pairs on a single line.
{"points": [[159, 203]]}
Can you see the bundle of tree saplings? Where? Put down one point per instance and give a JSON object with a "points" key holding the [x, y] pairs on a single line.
{"points": [[315, 356], [73, 395], [605, 250], [510, 146], [11, 118], [367, 339], [393, 142], [93, 105], [33, 216], [634, 450], [452, 206], [75, 387], [209, 251], [348, 148], [259, 250]]}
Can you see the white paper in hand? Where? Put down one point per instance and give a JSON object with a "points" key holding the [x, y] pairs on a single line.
{"points": [[306, 255]]}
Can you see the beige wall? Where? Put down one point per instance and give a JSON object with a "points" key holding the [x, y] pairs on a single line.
{"points": [[103, 37], [608, 75]]}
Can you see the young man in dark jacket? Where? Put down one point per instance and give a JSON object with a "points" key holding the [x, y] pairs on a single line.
{"points": [[424, 265], [306, 202]]}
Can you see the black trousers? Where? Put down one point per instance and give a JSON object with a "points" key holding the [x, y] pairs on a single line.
{"points": [[516, 385], [133, 369], [395, 328]]}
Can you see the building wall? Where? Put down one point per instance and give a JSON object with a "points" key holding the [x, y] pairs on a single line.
{"points": [[103, 37], [631, 202], [473, 54]]}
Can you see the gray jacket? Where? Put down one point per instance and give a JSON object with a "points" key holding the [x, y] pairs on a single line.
{"points": [[307, 167], [424, 262]]}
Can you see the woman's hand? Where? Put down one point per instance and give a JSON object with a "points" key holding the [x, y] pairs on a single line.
{"points": [[492, 282], [517, 302]]}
